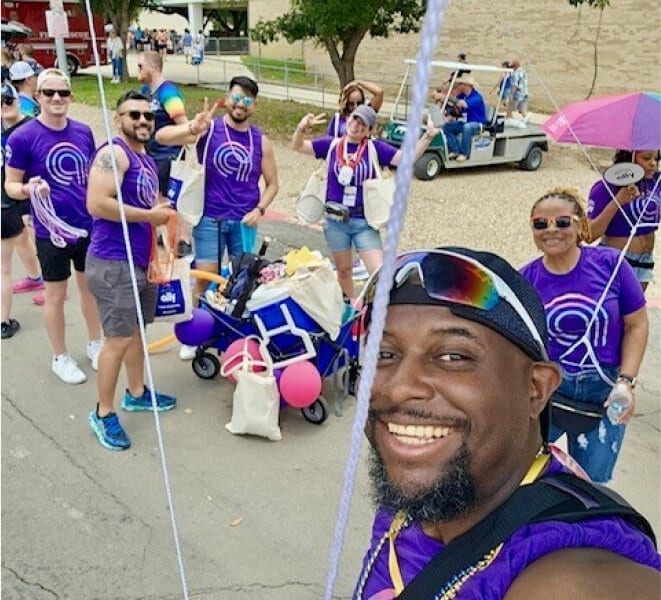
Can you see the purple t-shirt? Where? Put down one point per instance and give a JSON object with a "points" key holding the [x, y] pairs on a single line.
{"points": [[139, 188], [338, 125], [364, 170], [415, 549], [645, 210], [62, 159], [570, 300], [233, 169]]}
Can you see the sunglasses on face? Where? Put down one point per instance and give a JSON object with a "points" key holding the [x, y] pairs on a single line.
{"points": [[352, 105], [51, 93], [561, 222], [458, 279], [247, 100], [7, 101], [135, 115]]}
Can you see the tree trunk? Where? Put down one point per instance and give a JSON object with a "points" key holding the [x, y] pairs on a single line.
{"points": [[344, 64], [596, 54]]}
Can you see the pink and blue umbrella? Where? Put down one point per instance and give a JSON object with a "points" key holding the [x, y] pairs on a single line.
{"points": [[626, 122]]}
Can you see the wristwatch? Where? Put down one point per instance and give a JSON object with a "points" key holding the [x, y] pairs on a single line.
{"points": [[261, 210], [632, 380]]}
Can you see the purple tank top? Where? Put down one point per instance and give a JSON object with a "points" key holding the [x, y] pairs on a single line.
{"points": [[415, 549], [139, 188], [233, 169], [645, 210]]}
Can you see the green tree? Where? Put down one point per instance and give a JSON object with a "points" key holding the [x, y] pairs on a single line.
{"points": [[340, 26], [121, 13], [601, 5]]}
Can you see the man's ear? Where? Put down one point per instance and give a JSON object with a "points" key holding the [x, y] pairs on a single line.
{"points": [[545, 377]]}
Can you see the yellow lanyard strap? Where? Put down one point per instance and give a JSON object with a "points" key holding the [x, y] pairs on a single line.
{"points": [[535, 470]]}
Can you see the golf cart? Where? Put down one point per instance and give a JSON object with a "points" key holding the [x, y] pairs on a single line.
{"points": [[499, 141]]}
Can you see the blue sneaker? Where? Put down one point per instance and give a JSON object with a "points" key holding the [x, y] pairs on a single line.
{"points": [[143, 402], [109, 431]]}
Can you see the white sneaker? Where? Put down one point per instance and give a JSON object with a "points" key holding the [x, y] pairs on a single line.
{"points": [[93, 350], [67, 370], [187, 352]]}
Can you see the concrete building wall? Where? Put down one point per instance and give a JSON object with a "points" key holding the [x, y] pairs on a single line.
{"points": [[545, 30], [268, 10]]}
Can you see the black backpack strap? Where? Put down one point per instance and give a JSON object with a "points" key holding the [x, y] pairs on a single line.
{"points": [[561, 497]]}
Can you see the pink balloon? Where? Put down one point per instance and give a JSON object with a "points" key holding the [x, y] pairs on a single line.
{"points": [[198, 330], [233, 356], [300, 384]]}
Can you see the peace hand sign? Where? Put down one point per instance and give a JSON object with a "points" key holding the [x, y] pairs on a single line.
{"points": [[202, 120], [310, 120]]}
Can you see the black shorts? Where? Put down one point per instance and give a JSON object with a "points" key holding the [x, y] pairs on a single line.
{"points": [[12, 223], [163, 165], [24, 208], [56, 262]]}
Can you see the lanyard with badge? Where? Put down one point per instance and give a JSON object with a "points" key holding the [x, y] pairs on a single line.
{"points": [[348, 163]]}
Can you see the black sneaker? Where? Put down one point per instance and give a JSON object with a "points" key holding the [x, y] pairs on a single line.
{"points": [[9, 328]]}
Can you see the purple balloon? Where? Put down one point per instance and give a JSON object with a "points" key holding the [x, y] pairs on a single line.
{"points": [[198, 330]]}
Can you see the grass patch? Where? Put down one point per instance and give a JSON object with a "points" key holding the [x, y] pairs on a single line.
{"points": [[277, 118], [269, 69]]}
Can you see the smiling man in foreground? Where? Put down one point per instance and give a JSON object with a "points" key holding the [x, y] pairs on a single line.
{"points": [[471, 502]]}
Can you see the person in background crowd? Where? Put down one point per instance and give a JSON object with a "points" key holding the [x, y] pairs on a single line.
{"points": [[52, 154], [12, 224], [6, 63], [353, 95], [503, 86], [594, 350], [167, 103], [199, 44], [348, 168], [459, 134], [116, 54], [107, 268], [27, 55], [639, 207], [457, 425], [162, 43], [24, 79], [187, 42], [518, 92]]}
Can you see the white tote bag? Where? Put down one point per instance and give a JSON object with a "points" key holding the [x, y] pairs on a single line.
{"points": [[378, 192], [310, 204], [256, 399], [186, 185]]}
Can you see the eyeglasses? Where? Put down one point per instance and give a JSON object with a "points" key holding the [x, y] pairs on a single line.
{"points": [[51, 93], [247, 100], [7, 101], [136, 114], [561, 222], [459, 279]]}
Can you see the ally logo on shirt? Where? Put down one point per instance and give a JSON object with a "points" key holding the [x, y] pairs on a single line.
{"points": [[66, 164], [231, 158], [146, 186]]}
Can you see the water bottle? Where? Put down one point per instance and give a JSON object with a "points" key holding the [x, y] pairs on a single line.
{"points": [[620, 399]]}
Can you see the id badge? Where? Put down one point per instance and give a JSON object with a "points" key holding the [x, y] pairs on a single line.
{"points": [[349, 196], [345, 175]]}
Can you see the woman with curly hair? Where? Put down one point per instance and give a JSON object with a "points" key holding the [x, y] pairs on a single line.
{"points": [[352, 96], [597, 328]]}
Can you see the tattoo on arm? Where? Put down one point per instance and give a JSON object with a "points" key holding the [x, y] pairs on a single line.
{"points": [[103, 162]]}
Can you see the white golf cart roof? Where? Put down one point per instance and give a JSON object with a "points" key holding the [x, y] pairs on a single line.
{"points": [[460, 66]]}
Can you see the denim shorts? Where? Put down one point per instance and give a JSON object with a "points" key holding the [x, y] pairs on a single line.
{"points": [[642, 275], [205, 239], [341, 236], [597, 450]]}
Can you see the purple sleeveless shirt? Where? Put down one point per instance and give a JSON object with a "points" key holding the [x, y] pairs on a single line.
{"points": [[415, 549], [139, 188], [61, 157], [645, 210], [233, 169]]}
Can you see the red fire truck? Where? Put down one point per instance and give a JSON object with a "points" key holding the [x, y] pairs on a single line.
{"points": [[78, 44]]}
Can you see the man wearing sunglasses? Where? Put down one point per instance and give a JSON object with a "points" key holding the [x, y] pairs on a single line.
{"points": [[458, 424], [238, 155], [47, 163], [107, 270]]}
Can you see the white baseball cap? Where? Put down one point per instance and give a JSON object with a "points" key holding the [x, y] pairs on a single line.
{"points": [[20, 70], [52, 74]]}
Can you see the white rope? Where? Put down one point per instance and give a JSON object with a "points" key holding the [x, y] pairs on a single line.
{"points": [[432, 25], [60, 231], [585, 339], [136, 296]]}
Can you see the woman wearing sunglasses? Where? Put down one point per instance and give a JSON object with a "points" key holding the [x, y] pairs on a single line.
{"points": [[597, 328], [640, 207], [352, 96], [350, 163]]}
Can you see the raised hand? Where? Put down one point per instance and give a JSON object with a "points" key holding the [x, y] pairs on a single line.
{"points": [[201, 123], [310, 120]]}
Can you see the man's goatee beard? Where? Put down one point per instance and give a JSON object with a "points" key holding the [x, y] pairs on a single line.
{"points": [[451, 496]]}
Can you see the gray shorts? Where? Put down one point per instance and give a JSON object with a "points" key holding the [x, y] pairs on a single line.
{"points": [[109, 282]]}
